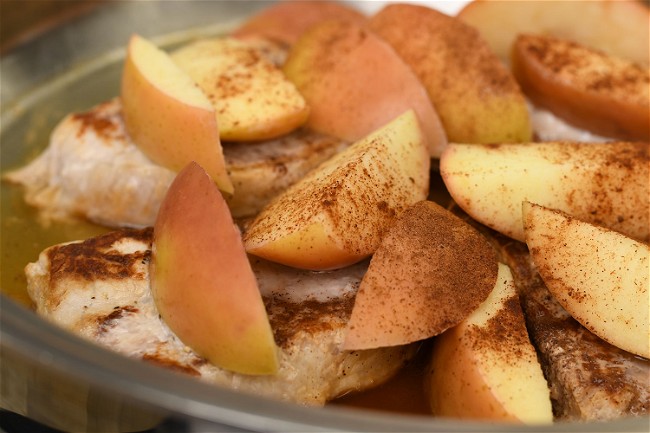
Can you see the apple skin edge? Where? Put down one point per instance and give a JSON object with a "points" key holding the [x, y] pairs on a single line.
{"points": [[162, 107], [202, 282]]}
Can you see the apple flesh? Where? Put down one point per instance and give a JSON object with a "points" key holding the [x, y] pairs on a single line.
{"points": [[202, 282], [286, 21], [605, 183], [429, 273], [486, 368], [622, 24], [606, 95], [354, 83], [337, 214], [167, 116], [252, 98], [601, 277], [476, 97]]}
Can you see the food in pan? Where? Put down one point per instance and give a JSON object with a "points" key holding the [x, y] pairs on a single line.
{"points": [[605, 184], [601, 93], [367, 201], [93, 170], [99, 289], [589, 378]]}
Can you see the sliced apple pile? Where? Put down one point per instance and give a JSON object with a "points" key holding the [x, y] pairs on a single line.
{"points": [[599, 276], [167, 116], [606, 184], [622, 25], [587, 88], [286, 21], [486, 367], [354, 83], [476, 97], [429, 273], [202, 282], [337, 214], [252, 97]]}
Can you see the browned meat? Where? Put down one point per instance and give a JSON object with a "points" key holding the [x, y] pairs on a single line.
{"points": [[99, 289], [92, 169]]}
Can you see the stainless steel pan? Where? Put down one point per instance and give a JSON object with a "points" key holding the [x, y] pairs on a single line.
{"points": [[56, 378]]}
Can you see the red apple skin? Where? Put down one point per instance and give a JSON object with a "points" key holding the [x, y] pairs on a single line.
{"points": [[279, 22], [202, 282], [354, 83], [170, 131], [587, 88], [429, 273], [475, 95]]}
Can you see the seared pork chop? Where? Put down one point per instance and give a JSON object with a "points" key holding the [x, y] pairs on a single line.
{"points": [[92, 169], [99, 289], [590, 379]]}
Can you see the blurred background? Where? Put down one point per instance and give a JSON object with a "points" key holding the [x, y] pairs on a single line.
{"points": [[21, 20]]}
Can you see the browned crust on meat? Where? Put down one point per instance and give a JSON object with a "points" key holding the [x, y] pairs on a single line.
{"points": [[96, 258], [108, 321], [162, 361], [310, 317]]}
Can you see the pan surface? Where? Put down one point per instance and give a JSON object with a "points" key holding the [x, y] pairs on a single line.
{"points": [[65, 382]]}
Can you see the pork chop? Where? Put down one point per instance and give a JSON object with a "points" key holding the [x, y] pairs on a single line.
{"points": [[92, 169], [99, 289]]}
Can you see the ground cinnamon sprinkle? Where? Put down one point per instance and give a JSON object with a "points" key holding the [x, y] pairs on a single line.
{"points": [[430, 272], [498, 336], [587, 68], [102, 126]]}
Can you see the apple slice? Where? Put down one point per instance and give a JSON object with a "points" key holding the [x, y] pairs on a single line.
{"points": [[605, 183], [587, 88], [167, 116], [251, 96], [286, 21], [337, 214], [202, 282], [476, 97], [486, 367], [622, 25], [355, 83], [599, 276], [429, 273]]}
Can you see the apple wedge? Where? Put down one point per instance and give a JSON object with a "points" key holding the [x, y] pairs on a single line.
{"points": [[599, 276], [429, 273], [167, 116], [605, 183], [476, 97], [486, 367], [202, 282], [622, 25], [286, 21], [251, 96], [591, 90], [354, 83], [337, 214]]}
